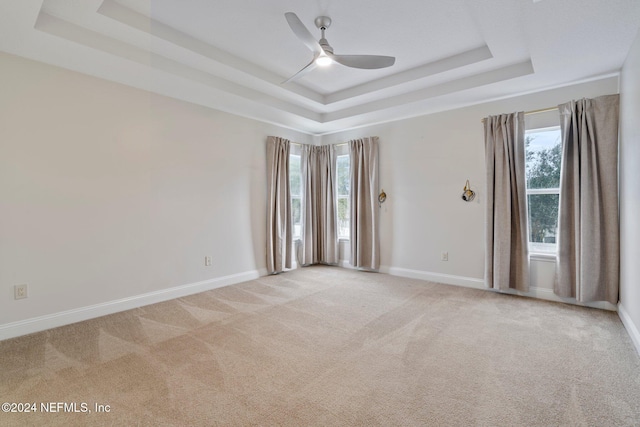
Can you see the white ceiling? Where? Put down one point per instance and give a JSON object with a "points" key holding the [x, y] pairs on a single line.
{"points": [[232, 55]]}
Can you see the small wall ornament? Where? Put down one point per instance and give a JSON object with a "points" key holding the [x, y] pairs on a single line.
{"points": [[382, 197], [468, 194]]}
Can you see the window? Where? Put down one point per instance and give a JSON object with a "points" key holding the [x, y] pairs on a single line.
{"points": [[295, 182], [344, 181], [543, 148]]}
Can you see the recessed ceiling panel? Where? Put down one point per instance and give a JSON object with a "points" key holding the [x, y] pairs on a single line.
{"points": [[234, 55]]}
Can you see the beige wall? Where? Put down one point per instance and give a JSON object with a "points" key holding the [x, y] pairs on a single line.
{"points": [[629, 193], [424, 163], [109, 192]]}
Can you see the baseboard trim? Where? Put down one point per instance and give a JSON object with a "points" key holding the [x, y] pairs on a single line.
{"points": [[631, 328], [345, 264], [49, 321], [470, 282], [447, 279], [548, 295]]}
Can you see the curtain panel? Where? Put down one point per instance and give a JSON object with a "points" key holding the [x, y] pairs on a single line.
{"points": [[319, 212], [588, 225], [365, 245], [279, 244], [507, 256]]}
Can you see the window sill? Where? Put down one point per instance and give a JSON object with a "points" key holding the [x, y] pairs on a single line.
{"points": [[340, 240], [541, 256]]}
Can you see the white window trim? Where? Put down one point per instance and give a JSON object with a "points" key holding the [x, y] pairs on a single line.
{"points": [[342, 151], [543, 256], [540, 254], [543, 191], [296, 151]]}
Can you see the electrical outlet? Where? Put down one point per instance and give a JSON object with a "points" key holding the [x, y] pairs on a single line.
{"points": [[207, 261], [20, 291], [444, 256]]}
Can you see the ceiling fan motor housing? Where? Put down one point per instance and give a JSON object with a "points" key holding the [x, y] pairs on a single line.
{"points": [[323, 22], [324, 44]]}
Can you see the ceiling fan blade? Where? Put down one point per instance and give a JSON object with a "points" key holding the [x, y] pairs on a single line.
{"points": [[310, 66], [303, 34], [368, 62]]}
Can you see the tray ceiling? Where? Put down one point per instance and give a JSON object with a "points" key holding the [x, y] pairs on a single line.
{"points": [[233, 55]]}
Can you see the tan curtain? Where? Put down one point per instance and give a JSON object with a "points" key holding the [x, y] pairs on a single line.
{"points": [[319, 212], [279, 244], [365, 245], [588, 230], [507, 256]]}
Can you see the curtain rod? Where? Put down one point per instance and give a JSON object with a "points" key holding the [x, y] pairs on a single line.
{"points": [[541, 110], [335, 145]]}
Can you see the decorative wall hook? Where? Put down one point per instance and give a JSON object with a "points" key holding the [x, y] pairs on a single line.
{"points": [[382, 197], [468, 194]]}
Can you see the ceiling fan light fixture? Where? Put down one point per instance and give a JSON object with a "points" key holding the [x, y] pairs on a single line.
{"points": [[323, 61], [323, 52]]}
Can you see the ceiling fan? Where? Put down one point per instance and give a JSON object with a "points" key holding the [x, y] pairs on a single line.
{"points": [[323, 52]]}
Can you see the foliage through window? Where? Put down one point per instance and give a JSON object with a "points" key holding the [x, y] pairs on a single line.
{"points": [[543, 160], [295, 182], [344, 182]]}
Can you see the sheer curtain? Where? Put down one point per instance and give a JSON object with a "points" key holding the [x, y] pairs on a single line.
{"points": [[588, 230], [319, 211], [507, 256], [279, 244], [365, 245]]}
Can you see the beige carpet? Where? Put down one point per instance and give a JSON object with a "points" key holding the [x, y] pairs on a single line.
{"points": [[330, 347]]}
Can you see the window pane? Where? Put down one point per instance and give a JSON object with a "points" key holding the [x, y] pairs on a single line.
{"points": [[543, 155], [294, 174], [295, 217], [543, 218], [343, 175], [343, 217]]}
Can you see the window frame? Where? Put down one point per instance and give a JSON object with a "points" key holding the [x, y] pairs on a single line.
{"points": [[340, 152], [295, 152], [541, 249]]}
